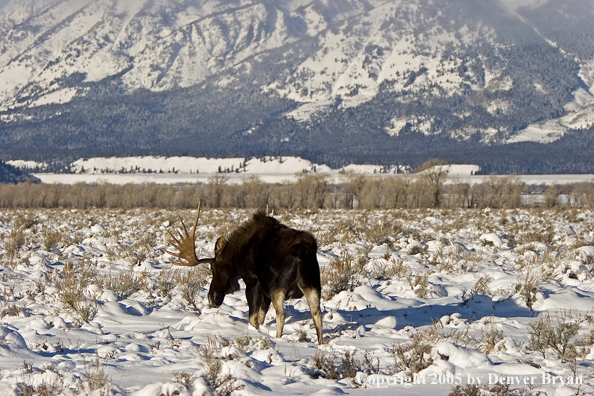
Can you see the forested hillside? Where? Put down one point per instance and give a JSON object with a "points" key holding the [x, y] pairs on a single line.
{"points": [[388, 82]]}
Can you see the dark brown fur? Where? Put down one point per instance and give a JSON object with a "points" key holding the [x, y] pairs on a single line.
{"points": [[275, 262]]}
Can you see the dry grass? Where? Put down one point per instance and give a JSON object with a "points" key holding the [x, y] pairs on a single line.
{"points": [[8, 306], [73, 293], [190, 285], [123, 284], [490, 338], [95, 377], [414, 356], [481, 287], [340, 275], [13, 244], [405, 233], [528, 289], [222, 383], [560, 335]]}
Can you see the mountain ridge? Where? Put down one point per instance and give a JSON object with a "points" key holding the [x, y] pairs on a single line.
{"points": [[319, 78]]}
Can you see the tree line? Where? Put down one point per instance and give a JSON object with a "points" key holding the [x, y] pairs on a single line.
{"points": [[425, 189]]}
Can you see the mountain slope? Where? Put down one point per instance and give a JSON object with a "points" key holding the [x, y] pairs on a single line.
{"points": [[331, 78]]}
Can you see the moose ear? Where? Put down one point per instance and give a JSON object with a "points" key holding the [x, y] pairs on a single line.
{"points": [[220, 245]]}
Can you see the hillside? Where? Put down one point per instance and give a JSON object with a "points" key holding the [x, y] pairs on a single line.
{"points": [[332, 81], [10, 174]]}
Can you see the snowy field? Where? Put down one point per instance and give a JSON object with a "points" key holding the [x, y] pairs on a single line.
{"points": [[416, 302], [173, 170], [334, 176]]}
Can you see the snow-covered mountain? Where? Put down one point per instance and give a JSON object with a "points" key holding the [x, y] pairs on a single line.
{"points": [[281, 77], [154, 45]]}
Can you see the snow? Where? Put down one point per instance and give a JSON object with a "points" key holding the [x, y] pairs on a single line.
{"points": [[587, 251], [163, 45], [26, 164], [13, 77], [102, 165], [493, 238], [543, 133], [514, 5], [365, 169], [282, 165], [173, 170], [579, 114], [587, 74], [396, 126], [352, 65], [184, 169], [152, 342], [305, 111], [191, 41], [580, 111], [62, 96]]}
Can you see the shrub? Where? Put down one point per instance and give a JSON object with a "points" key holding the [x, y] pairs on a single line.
{"points": [[95, 375], [123, 284], [416, 249], [529, 289], [9, 309], [52, 239], [420, 284], [545, 237], [559, 336], [490, 339], [190, 284], [326, 364], [13, 243], [166, 282], [339, 276], [181, 377], [72, 290], [350, 366], [323, 362], [486, 390], [393, 267], [481, 287], [210, 353], [414, 356], [77, 304]]}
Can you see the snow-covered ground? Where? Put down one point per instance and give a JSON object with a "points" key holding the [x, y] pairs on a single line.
{"points": [[335, 176], [172, 170], [92, 305]]}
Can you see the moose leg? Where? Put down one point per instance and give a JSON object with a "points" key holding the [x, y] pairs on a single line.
{"points": [[254, 299], [264, 305], [278, 302], [312, 295]]}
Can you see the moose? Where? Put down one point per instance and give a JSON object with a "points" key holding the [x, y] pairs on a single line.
{"points": [[275, 262]]}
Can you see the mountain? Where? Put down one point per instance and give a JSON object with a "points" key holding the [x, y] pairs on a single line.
{"points": [[334, 81], [13, 175]]}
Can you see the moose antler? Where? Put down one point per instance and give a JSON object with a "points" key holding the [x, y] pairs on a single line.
{"points": [[271, 214], [185, 245]]}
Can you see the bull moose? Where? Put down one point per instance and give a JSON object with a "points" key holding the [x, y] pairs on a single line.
{"points": [[275, 262]]}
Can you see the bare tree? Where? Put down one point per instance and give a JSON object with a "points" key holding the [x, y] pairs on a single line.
{"points": [[435, 173], [215, 189], [552, 194], [255, 192], [354, 183]]}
